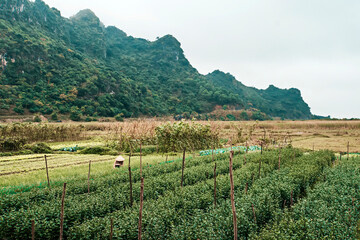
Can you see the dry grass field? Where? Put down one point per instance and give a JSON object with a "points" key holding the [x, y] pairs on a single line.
{"points": [[317, 134]]}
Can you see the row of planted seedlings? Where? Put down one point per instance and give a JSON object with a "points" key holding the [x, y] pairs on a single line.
{"points": [[264, 200], [119, 178], [331, 209], [82, 207], [45, 208], [189, 212], [167, 211], [176, 137]]}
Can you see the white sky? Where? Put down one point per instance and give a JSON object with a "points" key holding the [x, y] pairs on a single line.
{"points": [[313, 45]]}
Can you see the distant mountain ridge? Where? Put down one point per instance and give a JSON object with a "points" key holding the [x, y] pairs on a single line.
{"points": [[77, 65]]}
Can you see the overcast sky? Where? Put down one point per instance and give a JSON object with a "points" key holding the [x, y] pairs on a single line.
{"points": [[313, 45]]}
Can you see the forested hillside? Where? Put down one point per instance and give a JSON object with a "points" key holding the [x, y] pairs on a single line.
{"points": [[78, 66]]}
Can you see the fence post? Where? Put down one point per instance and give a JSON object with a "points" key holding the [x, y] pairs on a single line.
{"points": [[260, 167], [33, 229], [89, 177], [232, 194], [182, 168], [279, 157], [253, 210], [131, 196], [215, 185], [141, 161], [141, 207], [47, 172], [62, 212], [111, 228]]}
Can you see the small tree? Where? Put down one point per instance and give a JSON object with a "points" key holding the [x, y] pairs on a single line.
{"points": [[183, 136]]}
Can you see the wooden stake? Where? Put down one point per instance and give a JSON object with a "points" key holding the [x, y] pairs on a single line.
{"points": [[279, 157], [182, 168], [253, 209], [141, 207], [47, 171], [215, 185], [260, 167], [348, 148], [212, 153], [261, 146], [62, 212], [89, 177], [131, 196], [33, 229], [141, 161], [246, 187], [232, 194], [111, 229], [291, 198]]}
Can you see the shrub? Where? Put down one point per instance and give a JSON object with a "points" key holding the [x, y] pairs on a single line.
{"points": [[37, 118], [119, 117], [39, 148]]}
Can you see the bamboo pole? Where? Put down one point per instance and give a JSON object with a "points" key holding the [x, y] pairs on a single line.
{"points": [[33, 229], [260, 166], [182, 168], [89, 177], [279, 157], [212, 153], [232, 195], [111, 228], [141, 161], [141, 207], [253, 210], [62, 212], [131, 196], [215, 185], [47, 172]]}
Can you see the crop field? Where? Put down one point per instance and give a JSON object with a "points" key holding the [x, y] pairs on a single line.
{"points": [[166, 189]]}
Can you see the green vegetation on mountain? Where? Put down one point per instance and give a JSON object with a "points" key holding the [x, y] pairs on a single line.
{"points": [[77, 66]]}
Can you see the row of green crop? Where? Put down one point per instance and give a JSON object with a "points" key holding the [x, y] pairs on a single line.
{"points": [[330, 211], [99, 203], [188, 214]]}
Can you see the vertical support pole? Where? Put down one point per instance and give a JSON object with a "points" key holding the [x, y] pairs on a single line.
{"points": [[246, 187], [111, 228], [212, 153], [130, 182], [348, 148], [47, 172], [62, 212], [232, 195], [215, 185], [141, 207], [291, 198], [260, 166], [89, 177], [253, 210], [33, 229], [182, 168], [279, 158], [141, 161], [246, 150], [261, 146]]}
